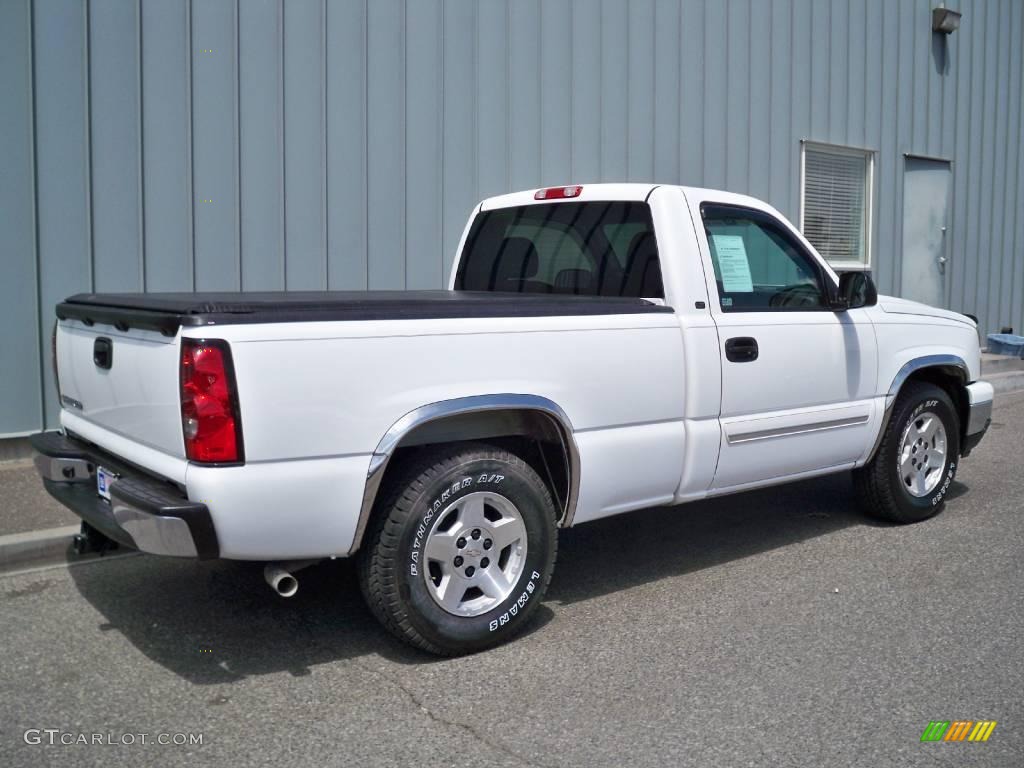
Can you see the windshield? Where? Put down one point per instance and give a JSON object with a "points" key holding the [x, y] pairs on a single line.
{"points": [[585, 249]]}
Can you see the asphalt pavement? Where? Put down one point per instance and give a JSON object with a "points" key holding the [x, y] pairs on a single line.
{"points": [[774, 628]]}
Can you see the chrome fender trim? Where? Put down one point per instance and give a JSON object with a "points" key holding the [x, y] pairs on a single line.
{"points": [[459, 406], [911, 367]]}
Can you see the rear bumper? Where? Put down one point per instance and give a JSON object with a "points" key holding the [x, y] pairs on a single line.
{"points": [[980, 395], [144, 512]]}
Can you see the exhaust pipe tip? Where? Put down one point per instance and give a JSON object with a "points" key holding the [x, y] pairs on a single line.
{"points": [[281, 581], [287, 585]]}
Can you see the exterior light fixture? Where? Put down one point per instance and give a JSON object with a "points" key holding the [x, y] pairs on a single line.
{"points": [[945, 20]]}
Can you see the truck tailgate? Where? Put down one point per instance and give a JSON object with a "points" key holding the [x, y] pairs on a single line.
{"points": [[123, 381]]}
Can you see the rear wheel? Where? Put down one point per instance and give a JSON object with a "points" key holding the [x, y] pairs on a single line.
{"points": [[910, 474], [460, 552]]}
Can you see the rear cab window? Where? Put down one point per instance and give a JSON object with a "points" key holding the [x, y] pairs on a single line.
{"points": [[596, 248]]}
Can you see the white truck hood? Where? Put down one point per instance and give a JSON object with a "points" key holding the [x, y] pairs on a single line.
{"points": [[898, 306]]}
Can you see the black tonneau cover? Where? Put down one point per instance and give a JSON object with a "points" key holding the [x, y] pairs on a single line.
{"points": [[166, 312]]}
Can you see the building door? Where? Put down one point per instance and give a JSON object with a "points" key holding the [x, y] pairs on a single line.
{"points": [[925, 218]]}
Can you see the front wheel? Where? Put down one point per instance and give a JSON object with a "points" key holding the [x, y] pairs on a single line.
{"points": [[910, 474], [461, 550]]}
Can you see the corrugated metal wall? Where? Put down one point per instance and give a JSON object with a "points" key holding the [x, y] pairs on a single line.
{"points": [[257, 144]]}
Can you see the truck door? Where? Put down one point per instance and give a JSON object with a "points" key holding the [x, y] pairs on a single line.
{"points": [[798, 378]]}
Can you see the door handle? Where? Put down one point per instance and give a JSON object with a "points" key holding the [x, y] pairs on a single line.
{"points": [[741, 349]]}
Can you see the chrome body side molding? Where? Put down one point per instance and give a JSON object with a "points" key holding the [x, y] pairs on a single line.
{"points": [[766, 434]]}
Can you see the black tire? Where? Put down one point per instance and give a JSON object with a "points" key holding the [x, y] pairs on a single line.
{"points": [[391, 574], [881, 490]]}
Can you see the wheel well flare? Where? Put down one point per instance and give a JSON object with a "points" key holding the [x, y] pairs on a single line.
{"points": [[533, 426]]}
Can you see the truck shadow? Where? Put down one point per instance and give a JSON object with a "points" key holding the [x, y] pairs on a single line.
{"points": [[629, 550], [218, 623]]}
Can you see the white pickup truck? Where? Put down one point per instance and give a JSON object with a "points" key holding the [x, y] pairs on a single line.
{"points": [[600, 349]]}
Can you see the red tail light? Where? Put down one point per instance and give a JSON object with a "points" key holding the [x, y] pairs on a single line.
{"points": [[209, 403]]}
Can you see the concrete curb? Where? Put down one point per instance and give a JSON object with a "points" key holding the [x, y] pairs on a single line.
{"points": [[21, 552], [992, 364], [1005, 383], [50, 546]]}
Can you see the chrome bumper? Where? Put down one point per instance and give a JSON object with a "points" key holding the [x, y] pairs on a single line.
{"points": [[157, 534], [980, 396], [143, 512]]}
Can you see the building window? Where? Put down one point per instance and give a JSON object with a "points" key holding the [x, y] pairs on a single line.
{"points": [[835, 209]]}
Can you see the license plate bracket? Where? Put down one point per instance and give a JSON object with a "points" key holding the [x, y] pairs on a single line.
{"points": [[104, 479]]}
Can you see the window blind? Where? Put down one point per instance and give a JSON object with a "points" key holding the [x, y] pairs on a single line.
{"points": [[835, 202]]}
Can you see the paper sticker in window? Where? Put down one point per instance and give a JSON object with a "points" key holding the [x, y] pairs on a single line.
{"points": [[733, 264]]}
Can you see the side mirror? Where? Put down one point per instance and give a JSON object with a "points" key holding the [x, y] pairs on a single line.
{"points": [[856, 289]]}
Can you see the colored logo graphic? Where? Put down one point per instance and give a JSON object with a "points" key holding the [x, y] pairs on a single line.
{"points": [[958, 730]]}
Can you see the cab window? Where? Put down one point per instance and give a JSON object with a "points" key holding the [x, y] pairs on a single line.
{"points": [[759, 266], [597, 248]]}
